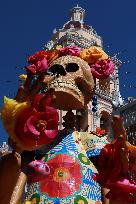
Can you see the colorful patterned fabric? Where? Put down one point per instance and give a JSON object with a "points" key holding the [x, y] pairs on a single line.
{"points": [[92, 143], [70, 179]]}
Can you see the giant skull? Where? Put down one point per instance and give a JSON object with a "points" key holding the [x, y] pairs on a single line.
{"points": [[72, 81]]}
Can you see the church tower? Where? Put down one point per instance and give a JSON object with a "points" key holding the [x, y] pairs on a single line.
{"points": [[76, 32]]}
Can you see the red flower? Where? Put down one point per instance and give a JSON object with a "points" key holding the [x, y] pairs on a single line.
{"points": [[99, 131], [102, 68], [38, 56], [64, 179], [49, 55], [35, 128]]}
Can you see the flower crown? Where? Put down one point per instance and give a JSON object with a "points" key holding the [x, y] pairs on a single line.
{"points": [[101, 65]]}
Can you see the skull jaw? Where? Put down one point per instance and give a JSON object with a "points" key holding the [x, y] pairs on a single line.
{"points": [[86, 87], [66, 99]]}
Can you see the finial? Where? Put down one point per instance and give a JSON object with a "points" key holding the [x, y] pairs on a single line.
{"points": [[77, 14]]}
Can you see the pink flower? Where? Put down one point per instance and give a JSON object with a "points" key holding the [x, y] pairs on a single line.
{"points": [[35, 126], [102, 68], [70, 50], [38, 170], [39, 67]]}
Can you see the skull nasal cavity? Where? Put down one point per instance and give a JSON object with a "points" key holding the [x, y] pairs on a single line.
{"points": [[57, 69], [72, 67]]}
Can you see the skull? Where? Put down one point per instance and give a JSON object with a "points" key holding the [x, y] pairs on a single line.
{"points": [[72, 81]]}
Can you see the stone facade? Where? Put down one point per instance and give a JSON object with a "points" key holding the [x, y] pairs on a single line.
{"points": [[128, 112]]}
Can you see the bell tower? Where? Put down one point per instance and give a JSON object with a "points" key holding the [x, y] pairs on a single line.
{"points": [[77, 33]]}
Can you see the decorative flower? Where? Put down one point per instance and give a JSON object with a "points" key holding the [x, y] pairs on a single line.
{"points": [[10, 111], [41, 66], [102, 68], [92, 54], [122, 190], [49, 55], [99, 131], [29, 126], [40, 170], [38, 56], [64, 179], [70, 50], [34, 128]]}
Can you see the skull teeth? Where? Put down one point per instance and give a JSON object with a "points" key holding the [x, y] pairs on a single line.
{"points": [[65, 84]]}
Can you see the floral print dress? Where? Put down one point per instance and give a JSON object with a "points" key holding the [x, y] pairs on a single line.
{"points": [[70, 179]]}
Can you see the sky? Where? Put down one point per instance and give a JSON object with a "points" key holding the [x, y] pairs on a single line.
{"points": [[25, 26]]}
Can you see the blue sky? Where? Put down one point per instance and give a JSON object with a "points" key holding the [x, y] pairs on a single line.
{"points": [[27, 25]]}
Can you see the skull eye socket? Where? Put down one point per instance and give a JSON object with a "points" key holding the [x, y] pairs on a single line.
{"points": [[57, 70], [72, 67]]}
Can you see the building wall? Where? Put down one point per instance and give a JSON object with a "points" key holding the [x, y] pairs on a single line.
{"points": [[128, 112], [104, 110]]}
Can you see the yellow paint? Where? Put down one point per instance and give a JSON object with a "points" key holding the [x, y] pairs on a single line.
{"points": [[28, 202]]}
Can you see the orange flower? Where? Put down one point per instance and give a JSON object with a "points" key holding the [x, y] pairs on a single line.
{"points": [[92, 54]]}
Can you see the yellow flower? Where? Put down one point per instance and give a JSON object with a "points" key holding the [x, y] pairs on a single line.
{"points": [[9, 114], [23, 77], [28, 202]]}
